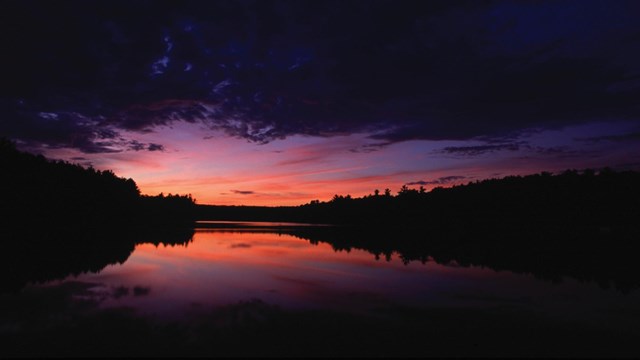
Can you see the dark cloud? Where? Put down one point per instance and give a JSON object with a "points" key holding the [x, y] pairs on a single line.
{"points": [[439, 181], [135, 145], [633, 166], [120, 291], [480, 149], [633, 136], [78, 74], [60, 129], [367, 148], [155, 147], [564, 152], [141, 290], [554, 150], [240, 246], [243, 192]]}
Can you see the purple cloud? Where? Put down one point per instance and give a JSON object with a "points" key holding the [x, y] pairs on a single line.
{"points": [[439, 181]]}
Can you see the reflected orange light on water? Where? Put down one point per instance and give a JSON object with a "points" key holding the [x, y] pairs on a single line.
{"points": [[221, 267], [269, 251]]}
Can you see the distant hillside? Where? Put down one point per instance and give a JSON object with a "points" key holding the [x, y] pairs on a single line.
{"points": [[40, 193]]}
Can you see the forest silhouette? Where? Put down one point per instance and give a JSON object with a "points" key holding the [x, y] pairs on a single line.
{"points": [[37, 189], [581, 224], [45, 193], [62, 219], [598, 200]]}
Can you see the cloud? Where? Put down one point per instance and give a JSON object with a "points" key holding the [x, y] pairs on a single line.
{"points": [[141, 290], [634, 166], [61, 129], [439, 181], [632, 136], [433, 70], [155, 147], [135, 145], [243, 192], [240, 245], [119, 291], [367, 148], [564, 152], [480, 149]]}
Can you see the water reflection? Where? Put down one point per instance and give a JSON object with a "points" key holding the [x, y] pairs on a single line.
{"points": [[273, 290], [38, 255], [223, 266]]}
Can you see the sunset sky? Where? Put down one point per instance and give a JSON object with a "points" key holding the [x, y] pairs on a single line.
{"points": [[283, 102]]}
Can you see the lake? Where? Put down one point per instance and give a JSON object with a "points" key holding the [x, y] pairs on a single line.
{"points": [[257, 288]]}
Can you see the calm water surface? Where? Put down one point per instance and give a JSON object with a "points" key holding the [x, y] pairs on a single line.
{"points": [[245, 289], [222, 266]]}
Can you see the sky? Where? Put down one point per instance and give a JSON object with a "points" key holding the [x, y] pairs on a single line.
{"points": [[284, 102]]}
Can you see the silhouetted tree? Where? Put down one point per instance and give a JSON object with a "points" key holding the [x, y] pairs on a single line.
{"points": [[56, 193], [592, 199]]}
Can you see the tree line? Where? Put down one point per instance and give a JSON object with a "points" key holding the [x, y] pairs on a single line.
{"points": [[49, 193], [35, 189], [596, 198]]}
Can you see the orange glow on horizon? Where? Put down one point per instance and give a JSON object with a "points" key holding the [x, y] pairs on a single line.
{"points": [[222, 170]]}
